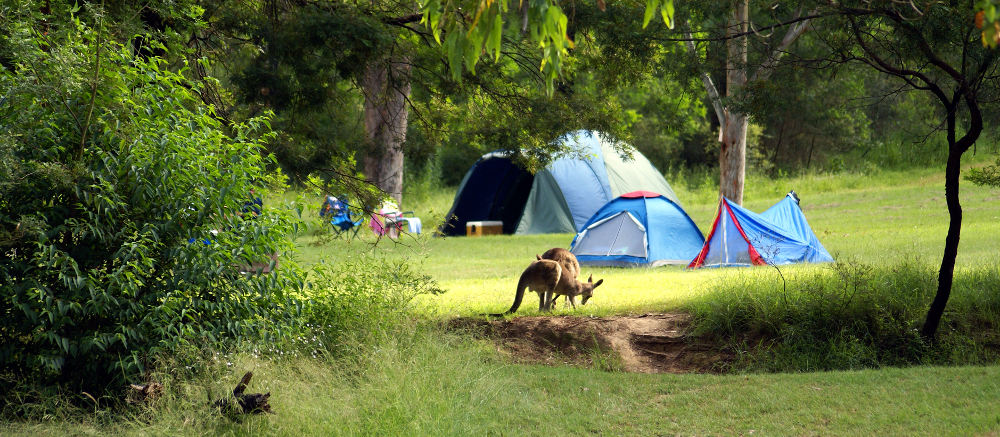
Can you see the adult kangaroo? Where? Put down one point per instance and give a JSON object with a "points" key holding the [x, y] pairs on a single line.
{"points": [[567, 260], [546, 277]]}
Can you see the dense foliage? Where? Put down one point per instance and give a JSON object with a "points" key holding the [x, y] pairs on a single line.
{"points": [[123, 224], [123, 219]]}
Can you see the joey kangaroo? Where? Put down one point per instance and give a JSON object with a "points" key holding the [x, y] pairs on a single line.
{"points": [[566, 260], [573, 288], [546, 278]]}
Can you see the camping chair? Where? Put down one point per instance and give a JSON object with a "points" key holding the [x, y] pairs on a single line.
{"points": [[341, 217], [389, 220]]}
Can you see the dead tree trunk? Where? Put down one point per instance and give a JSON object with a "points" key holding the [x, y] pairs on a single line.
{"points": [[386, 87], [733, 124]]}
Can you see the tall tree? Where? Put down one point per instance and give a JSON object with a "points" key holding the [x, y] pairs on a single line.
{"points": [[385, 84], [931, 47], [352, 82], [338, 77], [733, 121]]}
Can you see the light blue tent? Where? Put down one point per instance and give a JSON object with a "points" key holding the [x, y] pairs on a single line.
{"points": [[559, 198], [780, 235], [638, 229]]}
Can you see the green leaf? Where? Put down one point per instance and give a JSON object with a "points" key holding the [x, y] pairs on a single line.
{"points": [[667, 10], [496, 35], [452, 47], [651, 6]]}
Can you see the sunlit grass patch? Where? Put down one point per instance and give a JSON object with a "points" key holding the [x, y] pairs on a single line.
{"points": [[877, 219]]}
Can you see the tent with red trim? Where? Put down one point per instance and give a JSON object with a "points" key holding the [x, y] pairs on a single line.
{"points": [[638, 229], [780, 235]]}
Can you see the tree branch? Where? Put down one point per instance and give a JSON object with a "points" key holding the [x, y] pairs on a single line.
{"points": [[713, 92], [406, 19], [93, 89], [926, 48], [767, 67], [689, 37], [896, 71]]}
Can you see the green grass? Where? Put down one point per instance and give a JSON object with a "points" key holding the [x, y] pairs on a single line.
{"points": [[878, 219], [420, 380], [426, 383]]}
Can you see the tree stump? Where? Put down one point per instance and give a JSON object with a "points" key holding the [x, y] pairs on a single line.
{"points": [[240, 403]]}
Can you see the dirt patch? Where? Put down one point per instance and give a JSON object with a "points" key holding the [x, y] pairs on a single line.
{"points": [[650, 343]]}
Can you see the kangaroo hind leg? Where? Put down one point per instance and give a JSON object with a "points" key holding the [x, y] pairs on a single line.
{"points": [[550, 302]]}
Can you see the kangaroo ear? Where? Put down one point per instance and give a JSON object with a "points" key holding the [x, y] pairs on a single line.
{"points": [[591, 278], [599, 282], [539, 257]]}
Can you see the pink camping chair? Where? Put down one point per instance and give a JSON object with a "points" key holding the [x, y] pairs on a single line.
{"points": [[389, 220]]}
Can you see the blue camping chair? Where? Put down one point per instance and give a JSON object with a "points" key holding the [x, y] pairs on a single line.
{"points": [[341, 217]]}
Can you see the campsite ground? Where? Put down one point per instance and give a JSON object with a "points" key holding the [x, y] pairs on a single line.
{"points": [[880, 219], [427, 379], [877, 219]]}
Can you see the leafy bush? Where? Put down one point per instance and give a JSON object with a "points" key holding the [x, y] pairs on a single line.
{"points": [[112, 164], [361, 300], [852, 316]]}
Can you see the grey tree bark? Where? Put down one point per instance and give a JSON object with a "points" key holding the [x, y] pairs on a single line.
{"points": [[386, 88], [732, 123]]}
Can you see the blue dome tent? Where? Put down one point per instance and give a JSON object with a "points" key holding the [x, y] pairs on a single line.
{"points": [[638, 229], [780, 235], [559, 198]]}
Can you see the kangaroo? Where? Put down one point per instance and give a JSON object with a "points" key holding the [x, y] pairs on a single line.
{"points": [[546, 278], [566, 260], [573, 288]]}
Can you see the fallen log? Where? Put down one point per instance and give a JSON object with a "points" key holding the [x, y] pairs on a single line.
{"points": [[144, 393]]}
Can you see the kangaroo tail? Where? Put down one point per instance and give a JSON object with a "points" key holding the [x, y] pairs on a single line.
{"points": [[518, 297]]}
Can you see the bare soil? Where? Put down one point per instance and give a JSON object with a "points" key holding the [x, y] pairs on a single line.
{"points": [[650, 343]]}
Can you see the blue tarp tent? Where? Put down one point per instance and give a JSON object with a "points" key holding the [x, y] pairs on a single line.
{"points": [[560, 198], [780, 235], [638, 229]]}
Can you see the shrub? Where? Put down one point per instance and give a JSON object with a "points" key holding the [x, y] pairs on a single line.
{"points": [[850, 316], [361, 300], [112, 164]]}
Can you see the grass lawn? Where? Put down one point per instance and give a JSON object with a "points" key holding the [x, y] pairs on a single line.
{"points": [[428, 382], [874, 219], [439, 388]]}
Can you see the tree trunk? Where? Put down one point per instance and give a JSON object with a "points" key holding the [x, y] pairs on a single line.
{"points": [[386, 87], [733, 129], [951, 180], [733, 125], [732, 156], [947, 272]]}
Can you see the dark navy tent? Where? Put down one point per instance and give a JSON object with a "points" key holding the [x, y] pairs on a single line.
{"points": [[494, 189], [780, 235], [559, 198], [638, 229]]}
